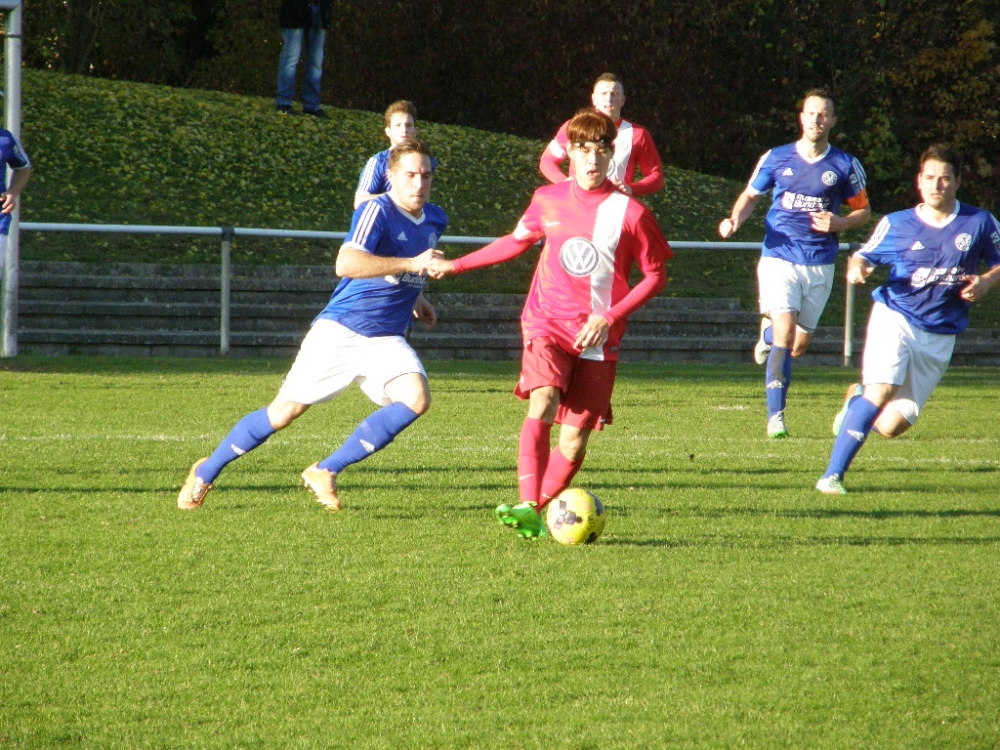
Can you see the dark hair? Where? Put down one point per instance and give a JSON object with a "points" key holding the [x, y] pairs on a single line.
{"points": [[822, 93], [589, 125], [412, 146], [610, 78], [404, 106], [945, 154]]}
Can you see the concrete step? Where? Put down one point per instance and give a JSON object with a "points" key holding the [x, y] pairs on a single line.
{"points": [[153, 309]]}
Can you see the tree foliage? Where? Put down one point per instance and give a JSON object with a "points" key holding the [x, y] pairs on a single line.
{"points": [[717, 81]]}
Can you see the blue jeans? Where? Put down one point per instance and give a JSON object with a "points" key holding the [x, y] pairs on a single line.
{"points": [[291, 51]]}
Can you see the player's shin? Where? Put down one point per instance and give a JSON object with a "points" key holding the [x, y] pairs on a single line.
{"points": [[532, 458], [250, 432], [777, 379], [558, 476], [372, 435], [854, 431]]}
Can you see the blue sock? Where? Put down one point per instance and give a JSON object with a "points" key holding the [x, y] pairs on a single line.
{"points": [[372, 435], [858, 423], [769, 335], [777, 378], [249, 432]]}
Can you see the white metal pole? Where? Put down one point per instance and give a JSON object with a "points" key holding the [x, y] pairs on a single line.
{"points": [[12, 122], [225, 281]]}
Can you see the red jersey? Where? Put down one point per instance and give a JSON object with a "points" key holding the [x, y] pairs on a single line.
{"points": [[634, 147], [593, 239]]}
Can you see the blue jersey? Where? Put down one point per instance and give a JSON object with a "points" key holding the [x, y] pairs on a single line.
{"points": [[374, 178], [12, 154], [384, 306], [928, 263], [799, 186]]}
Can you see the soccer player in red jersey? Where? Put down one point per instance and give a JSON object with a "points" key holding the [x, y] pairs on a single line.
{"points": [[633, 146], [575, 312]]}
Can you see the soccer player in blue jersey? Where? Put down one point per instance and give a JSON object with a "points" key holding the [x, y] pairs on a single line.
{"points": [[12, 155], [358, 337], [809, 181], [934, 252], [400, 126]]}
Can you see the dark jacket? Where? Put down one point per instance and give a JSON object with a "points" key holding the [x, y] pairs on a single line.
{"points": [[295, 14]]}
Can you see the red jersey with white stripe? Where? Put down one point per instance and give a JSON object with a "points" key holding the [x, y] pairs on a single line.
{"points": [[634, 147], [593, 239]]}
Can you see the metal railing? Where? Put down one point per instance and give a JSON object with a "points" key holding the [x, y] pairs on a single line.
{"points": [[226, 235]]}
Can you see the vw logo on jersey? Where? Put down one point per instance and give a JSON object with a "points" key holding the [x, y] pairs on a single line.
{"points": [[829, 178], [963, 242], [578, 256]]}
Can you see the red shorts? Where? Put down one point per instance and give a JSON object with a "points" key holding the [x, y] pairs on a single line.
{"points": [[586, 384]]}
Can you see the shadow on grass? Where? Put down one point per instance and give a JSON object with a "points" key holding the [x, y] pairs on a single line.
{"points": [[787, 542]]}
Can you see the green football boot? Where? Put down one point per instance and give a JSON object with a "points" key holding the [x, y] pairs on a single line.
{"points": [[524, 519]]}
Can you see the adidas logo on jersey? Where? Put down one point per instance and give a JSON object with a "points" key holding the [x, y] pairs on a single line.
{"points": [[918, 245], [402, 237], [788, 172]]}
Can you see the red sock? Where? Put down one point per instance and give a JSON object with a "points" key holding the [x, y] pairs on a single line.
{"points": [[558, 475], [532, 458]]}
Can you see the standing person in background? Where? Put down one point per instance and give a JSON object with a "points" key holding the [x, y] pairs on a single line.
{"points": [[576, 310], [634, 147], [303, 23], [809, 180], [12, 155], [400, 126], [934, 252]]}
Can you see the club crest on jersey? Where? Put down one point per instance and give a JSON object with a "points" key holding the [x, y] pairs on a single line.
{"points": [[432, 240], [578, 256], [963, 242], [829, 178]]}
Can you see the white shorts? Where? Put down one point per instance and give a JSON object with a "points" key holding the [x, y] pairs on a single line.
{"points": [[332, 357], [896, 353], [790, 287]]}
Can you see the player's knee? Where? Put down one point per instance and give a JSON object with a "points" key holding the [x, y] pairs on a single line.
{"points": [[419, 403]]}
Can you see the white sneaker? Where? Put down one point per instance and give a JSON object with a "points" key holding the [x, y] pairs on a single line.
{"points": [[856, 389], [831, 486], [776, 426], [761, 348]]}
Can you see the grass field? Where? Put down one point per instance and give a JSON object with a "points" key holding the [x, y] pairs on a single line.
{"points": [[728, 604]]}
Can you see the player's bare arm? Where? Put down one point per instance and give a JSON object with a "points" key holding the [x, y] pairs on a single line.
{"points": [[742, 209], [825, 221], [357, 264], [858, 269], [978, 286], [438, 268], [8, 200], [424, 312]]}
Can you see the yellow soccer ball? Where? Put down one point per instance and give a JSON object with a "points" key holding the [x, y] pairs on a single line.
{"points": [[575, 517]]}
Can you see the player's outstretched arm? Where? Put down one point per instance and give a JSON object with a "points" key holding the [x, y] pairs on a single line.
{"points": [[499, 251], [353, 263]]}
